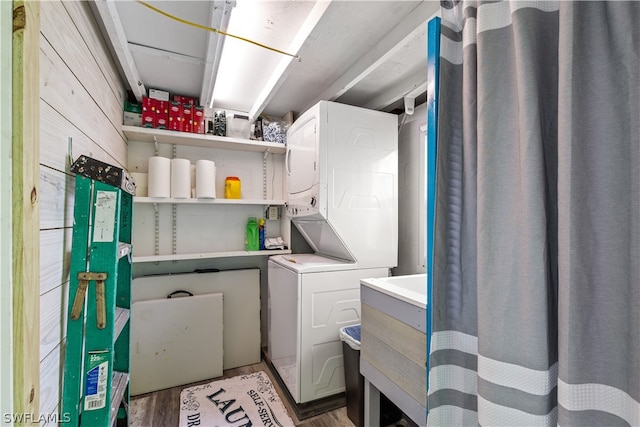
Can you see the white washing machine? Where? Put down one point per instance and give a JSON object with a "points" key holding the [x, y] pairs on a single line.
{"points": [[310, 298]]}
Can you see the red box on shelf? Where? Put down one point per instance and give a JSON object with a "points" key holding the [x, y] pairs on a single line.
{"points": [[198, 119], [148, 112], [162, 114], [187, 117], [175, 116]]}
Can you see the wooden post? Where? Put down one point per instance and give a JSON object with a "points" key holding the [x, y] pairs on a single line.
{"points": [[25, 215]]}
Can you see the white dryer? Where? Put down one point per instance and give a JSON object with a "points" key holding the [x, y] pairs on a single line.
{"points": [[342, 182]]}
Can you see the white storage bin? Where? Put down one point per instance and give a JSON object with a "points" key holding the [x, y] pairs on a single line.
{"points": [[238, 126]]}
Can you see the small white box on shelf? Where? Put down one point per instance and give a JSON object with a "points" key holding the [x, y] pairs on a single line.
{"points": [[162, 95], [132, 119], [238, 126]]}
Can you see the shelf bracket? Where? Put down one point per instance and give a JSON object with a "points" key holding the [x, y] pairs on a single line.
{"points": [[264, 174], [174, 213], [156, 220], [155, 145], [174, 235]]}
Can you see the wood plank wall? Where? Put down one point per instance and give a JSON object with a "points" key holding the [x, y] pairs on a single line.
{"points": [[81, 100]]}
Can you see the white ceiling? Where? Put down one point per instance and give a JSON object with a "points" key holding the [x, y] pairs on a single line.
{"points": [[369, 53]]}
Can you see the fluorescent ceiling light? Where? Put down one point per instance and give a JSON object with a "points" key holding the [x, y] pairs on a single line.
{"points": [[275, 81], [245, 68], [219, 19]]}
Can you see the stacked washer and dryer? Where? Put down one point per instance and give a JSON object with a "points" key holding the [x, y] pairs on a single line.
{"points": [[342, 170]]}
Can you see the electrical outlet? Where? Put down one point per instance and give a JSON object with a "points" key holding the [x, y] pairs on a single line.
{"points": [[272, 213]]}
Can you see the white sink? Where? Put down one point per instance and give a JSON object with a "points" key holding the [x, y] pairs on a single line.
{"points": [[410, 288]]}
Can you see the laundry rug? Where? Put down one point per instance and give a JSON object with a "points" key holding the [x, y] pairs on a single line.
{"points": [[242, 401]]}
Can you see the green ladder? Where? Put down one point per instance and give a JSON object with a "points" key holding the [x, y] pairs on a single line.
{"points": [[96, 369]]}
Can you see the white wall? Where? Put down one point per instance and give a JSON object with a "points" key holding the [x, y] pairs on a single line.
{"points": [[81, 98], [411, 194], [6, 326]]}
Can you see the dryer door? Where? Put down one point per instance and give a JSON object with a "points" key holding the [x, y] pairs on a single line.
{"points": [[301, 158]]}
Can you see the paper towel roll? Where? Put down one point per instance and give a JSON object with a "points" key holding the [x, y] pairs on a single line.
{"points": [[159, 179], [180, 178], [142, 188], [205, 179]]}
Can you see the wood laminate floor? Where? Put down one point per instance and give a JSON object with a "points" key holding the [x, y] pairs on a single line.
{"points": [[162, 408]]}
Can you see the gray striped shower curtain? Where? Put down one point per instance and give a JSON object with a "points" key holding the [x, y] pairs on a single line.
{"points": [[536, 269]]}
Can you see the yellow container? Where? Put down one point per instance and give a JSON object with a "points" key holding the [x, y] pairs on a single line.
{"points": [[232, 188]]}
